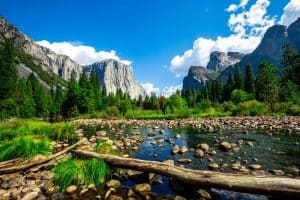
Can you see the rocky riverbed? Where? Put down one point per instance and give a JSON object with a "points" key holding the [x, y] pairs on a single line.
{"points": [[258, 145]]}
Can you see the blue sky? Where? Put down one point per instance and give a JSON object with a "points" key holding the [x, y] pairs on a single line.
{"points": [[149, 33]]}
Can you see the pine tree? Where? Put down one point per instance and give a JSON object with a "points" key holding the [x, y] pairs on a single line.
{"points": [[39, 96], [229, 86], [24, 99], [267, 84], [238, 81], [8, 71], [249, 80], [291, 64]]}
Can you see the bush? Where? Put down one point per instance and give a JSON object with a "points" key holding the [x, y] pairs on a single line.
{"points": [[238, 96], [104, 148], [294, 110], [112, 111], [251, 108], [229, 106], [24, 147], [203, 105], [79, 172]]}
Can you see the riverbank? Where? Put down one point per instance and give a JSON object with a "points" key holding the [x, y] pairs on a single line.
{"points": [[288, 124]]}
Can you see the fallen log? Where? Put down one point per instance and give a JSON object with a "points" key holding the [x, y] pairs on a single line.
{"points": [[26, 166], [268, 185]]}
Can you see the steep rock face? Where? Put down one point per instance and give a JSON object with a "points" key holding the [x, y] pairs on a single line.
{"points": [[49, 61], [270, 49], [294, 34], [197, 77], [219, 60], [116, 75]]}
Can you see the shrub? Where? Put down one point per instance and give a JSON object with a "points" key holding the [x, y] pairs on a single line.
{"points": [[229, 106], [251, 108], [294, 110], [112, 111], [238, 96], [105, 148], [24, 147], [203, 104], [78, 172]]}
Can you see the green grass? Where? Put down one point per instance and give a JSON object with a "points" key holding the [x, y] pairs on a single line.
{"points": [[24, 147], [80, 172], [56, 131], [104, 148]]}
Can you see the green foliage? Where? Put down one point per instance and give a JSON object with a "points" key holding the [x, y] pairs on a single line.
{"points": [[24, 99], [250, 108], [229, 106], [112, 111], [238, 96], [238, 81], [176, 102], [8, 71], [56, 131], [267, 84], [203, 105], [249, 80], [105, 148], [24, 147], [294, 110], [79, 172], [291, 63]]}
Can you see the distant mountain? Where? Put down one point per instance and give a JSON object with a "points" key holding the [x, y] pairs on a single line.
{"points": [[52, 68], [219, 60], [197, 77], [42, 57], [116, 75], [270, 49]]}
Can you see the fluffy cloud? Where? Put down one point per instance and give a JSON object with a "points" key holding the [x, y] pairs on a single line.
{"points": [[291, 12], [235, 7], [169, 90], [82, 54], [247, 28], [149, 87]]}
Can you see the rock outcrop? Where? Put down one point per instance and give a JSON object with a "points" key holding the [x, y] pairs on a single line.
{"points": [[220, 60], [116, 75], [294, 34], [49, 61], [197, 77]]}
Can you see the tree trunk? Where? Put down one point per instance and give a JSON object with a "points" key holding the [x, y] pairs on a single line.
{"points": [[268, 185]]}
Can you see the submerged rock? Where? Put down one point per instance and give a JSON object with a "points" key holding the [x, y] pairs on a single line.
{"points": [[225, 146], [143, 187]]}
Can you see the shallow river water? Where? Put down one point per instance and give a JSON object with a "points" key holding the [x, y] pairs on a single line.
{"points": [[271, 151]]}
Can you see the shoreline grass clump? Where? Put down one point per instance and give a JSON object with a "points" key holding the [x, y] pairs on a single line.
{"points": [[56, 131], [105, 148], [80, 172], [24, 147]]}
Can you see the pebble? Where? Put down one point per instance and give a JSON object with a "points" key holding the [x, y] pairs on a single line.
{"points": [[71, 189], [177, 135], [204, 194], [225, 146], [204, 146], [143, 187], [31, 196], [183, 149], [213, 165], [255, 166], [198, 153], [175, 149], [184, 160], [113, 183]]}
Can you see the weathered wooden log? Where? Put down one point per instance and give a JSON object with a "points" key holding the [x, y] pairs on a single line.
{"points": [[26, 166], [268, 185]]}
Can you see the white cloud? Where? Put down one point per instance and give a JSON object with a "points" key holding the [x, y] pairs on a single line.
{"points": [[248, 27], [149, 87], [235, 7], [82, 54], [291, 12], [169, 90]]}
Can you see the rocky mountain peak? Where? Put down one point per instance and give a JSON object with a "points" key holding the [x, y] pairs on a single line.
{"points": [[197, 77], [49, 61], [294, 34], [220, 60], [116, 75]]}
